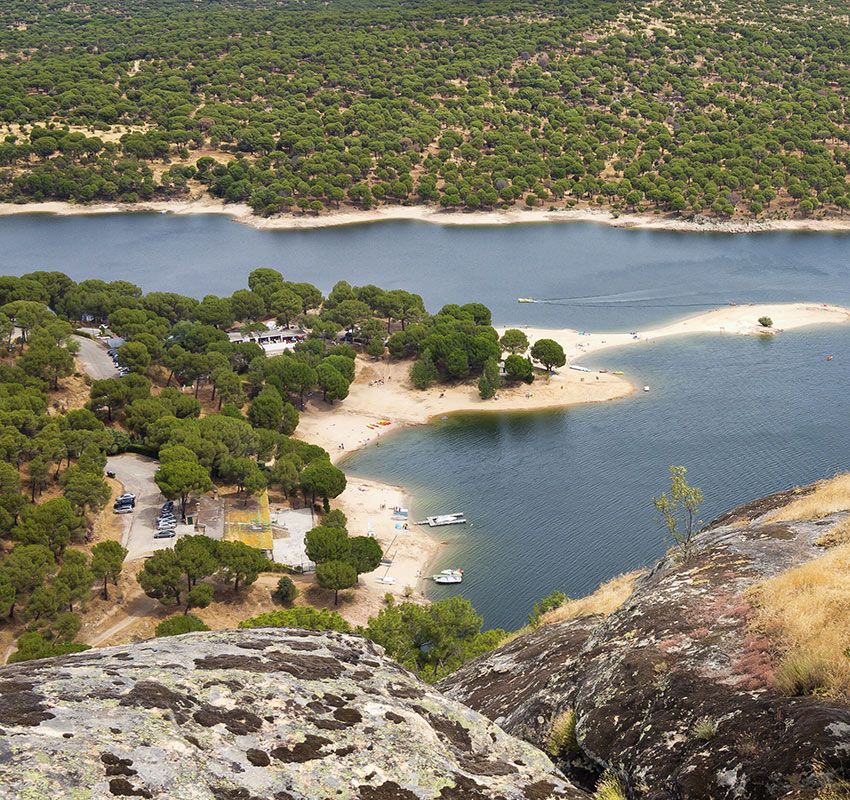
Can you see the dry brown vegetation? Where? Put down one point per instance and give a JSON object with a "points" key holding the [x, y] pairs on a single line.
{"points": [[828, 497], [837, 534], [804, 612], [607, 598]]}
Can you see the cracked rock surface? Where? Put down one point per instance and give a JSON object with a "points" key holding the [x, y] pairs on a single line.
{"points": [[262, 714]]}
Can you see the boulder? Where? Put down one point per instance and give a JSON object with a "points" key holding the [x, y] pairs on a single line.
{"points": [[674, 690], [262, 714]]}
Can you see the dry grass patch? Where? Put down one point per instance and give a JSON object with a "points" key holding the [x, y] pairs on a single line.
{"points": [[562, 736], [73, 393], [805, 612], [610, 787], [605, 600], [828, 497], [836, 535]]}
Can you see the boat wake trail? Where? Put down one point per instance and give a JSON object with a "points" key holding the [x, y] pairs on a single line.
{"points": [[636, 299]]}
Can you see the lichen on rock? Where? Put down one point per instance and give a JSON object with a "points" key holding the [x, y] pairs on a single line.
{"points": [[262, 714], [679, 659]]}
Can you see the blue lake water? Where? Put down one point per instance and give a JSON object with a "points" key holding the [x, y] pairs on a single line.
{"points": [[643, 276], [562, 500], [557, 500]]}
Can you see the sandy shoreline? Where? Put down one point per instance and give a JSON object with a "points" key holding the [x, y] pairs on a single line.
{"points": [[740, 320], [430, 214], [381, 392]]}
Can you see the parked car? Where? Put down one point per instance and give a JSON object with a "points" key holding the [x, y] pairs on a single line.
{"points": [[126, 497], [125, 509], [166, 534]]}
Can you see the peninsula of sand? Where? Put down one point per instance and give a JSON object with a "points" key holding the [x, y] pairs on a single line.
{"points": [[382, 401], [240, 212]]}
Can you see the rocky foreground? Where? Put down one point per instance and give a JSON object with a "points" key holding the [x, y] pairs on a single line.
{"points": [[672, 692]]}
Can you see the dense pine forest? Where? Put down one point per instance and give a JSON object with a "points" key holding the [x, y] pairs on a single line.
{"points": [[721, 108]]}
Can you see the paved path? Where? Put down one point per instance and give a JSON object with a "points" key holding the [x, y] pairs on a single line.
{"points": [[95, 360]]}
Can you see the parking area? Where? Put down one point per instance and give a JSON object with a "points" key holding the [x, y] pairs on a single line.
{"points": [[136, 474]]}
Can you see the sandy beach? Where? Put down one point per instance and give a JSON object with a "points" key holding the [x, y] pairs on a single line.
{"points": [[380, 393], [242, 213], [369, 507], [382, 401], [740, 320]]}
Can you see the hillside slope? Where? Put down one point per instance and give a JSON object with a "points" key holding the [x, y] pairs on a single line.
{"points": [[676, 689]]}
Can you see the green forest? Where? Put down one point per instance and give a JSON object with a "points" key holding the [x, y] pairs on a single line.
{"points": [[212, 412], [722, 108]]}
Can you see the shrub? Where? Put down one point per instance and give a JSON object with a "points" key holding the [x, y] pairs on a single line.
{"points": [[335, 519], [610, 787], [314, 619], [286, 591], [802, 674], [562, 736], [174, 626], [32, 646], [705, 728], [548, 603], [518, 368], [766, 322], [423, 373]]}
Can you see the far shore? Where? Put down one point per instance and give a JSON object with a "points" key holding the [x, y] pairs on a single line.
{"points": [[381, 401], [432, 214]]}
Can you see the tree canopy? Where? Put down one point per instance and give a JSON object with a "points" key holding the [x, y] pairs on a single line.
{"points": [[700, 108]]}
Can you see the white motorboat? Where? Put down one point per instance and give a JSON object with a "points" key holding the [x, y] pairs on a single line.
{"points": [[448, 576], [443, 519]]}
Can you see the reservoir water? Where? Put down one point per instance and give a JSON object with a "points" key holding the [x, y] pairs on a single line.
{"points": [[640, 276], [557, 500]]}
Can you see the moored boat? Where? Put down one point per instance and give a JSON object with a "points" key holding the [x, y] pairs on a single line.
{"points": [[443, 519], [448, 576]]}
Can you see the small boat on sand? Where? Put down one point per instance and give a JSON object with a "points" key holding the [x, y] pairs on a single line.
{"points": [[443, 519], [578, 368], [618, 372], [448, 576]]}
